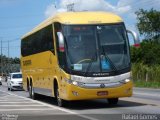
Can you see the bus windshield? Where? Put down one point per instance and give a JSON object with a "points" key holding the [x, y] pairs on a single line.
{"points": [[96, 48]]}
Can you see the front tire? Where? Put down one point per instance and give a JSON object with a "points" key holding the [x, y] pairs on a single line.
{"points": [[113, 101], [10, 88], [60, 102]]}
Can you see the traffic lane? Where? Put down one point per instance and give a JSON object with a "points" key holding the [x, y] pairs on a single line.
{"points": [[17, 92], [147, 90], [100, 106], [148, 97], [152, 100], [43, 117], [53, 117], [10, 103], [147, 93], [125, 105], [100, 110], [15, 105], [87, 113]]}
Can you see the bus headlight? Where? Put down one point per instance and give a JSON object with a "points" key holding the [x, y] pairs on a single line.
{"points": [[76, 83], [125, 81]]}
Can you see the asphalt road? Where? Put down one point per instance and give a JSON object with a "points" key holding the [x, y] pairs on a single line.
{"points": [[15, 105]]}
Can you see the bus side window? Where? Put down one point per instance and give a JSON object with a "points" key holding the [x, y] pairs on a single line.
{"points": [[38, 42], [46, 39], [50, 39]]}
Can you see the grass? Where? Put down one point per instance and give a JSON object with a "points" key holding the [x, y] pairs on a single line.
{"points": [[147, 84], [146, 76]]}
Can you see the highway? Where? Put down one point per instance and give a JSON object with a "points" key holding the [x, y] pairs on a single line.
{"points": [[144, 104]]}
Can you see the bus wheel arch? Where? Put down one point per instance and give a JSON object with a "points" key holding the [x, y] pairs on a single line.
{"points": [[30, 87], [32, 94], [28, 84], [55, 85]]}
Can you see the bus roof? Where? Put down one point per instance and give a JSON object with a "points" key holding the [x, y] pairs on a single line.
{"points": [[78, 18]]}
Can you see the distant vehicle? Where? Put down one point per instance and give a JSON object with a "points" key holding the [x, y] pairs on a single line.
{"points": [[14, 81], [0, 80]]}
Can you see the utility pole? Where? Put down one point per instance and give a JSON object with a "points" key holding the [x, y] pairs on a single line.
{"points": [[8, 65], [8, 48]]}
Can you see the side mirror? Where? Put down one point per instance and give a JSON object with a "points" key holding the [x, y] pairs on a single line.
{"points": [[135, 37], [61, 41]]}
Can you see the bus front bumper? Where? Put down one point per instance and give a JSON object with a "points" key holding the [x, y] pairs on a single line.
{"points": [[79, 93]]}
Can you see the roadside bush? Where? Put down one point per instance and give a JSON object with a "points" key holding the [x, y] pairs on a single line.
{"points": [[145, 73]]}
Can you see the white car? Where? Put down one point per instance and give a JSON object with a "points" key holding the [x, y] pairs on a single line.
{"points": [[15, 81]]}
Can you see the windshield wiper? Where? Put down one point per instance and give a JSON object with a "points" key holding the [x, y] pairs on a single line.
{"points": [[107, 58], [90, 64]]}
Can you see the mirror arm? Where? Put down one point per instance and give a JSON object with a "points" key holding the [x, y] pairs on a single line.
{"points": [[135, 36], [61, 41]]}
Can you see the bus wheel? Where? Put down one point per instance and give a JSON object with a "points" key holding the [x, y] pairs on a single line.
{"points": [[32, 95], [60, 102], [112, 101]]}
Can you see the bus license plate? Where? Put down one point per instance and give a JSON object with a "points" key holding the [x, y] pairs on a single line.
{"points": [[102, 93]]}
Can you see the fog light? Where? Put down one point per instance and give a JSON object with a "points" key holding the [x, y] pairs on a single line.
{"points": [[75, 93]]}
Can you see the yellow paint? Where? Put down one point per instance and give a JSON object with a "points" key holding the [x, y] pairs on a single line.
{"points": [[92, 93], [79, 18]]}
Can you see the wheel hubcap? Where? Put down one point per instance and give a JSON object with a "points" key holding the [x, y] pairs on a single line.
{"points": [[30, 91]]}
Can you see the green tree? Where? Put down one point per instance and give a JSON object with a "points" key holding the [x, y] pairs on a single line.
{"points": [[148, 53], [146, 59], [9, 64], [149, 26], [149, 23]]}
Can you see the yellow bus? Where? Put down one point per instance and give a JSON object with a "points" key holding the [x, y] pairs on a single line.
{"points": [[78, 56]]}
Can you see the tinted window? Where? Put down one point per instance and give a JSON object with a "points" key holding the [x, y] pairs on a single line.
{"points": [[38, 42]]}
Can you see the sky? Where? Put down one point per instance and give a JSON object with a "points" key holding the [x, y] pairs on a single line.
{"points": [[18, 17]]}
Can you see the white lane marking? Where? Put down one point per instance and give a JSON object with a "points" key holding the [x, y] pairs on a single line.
{"points": [[13, 100], [147, 94], [4, 96], [17, 102], [24, 109], [54, 107], [21, 105], [8, 96]]}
